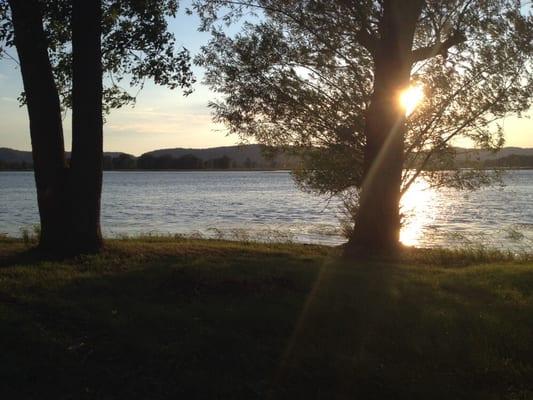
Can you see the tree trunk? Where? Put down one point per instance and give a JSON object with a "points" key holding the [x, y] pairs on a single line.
{"points": [[68, 198], [87, 125], [46, 130], [377, 222]]}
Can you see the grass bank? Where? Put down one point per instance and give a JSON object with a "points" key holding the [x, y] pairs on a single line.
{"points": [[161, 318]]}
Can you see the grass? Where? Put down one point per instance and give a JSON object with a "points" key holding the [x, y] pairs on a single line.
{"points": [[163, 318]]}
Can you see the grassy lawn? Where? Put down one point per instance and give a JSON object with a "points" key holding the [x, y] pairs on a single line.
{"points": [[195, 319]]}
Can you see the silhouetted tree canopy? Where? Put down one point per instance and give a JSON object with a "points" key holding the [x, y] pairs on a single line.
{"points": [[136, 45], [326, 76], [74, 54], [301, 73]]}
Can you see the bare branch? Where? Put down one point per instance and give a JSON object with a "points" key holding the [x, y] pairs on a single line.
{"points": [[9, 56], [445, 141]]}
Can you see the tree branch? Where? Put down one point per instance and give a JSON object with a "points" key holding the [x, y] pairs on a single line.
{"points": [[445, 141], [299, 21], [441, 48]]}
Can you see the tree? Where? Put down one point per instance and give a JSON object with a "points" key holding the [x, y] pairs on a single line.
{"points": [[124, 161], [326, 77], [146, 161], [86, 163], [223, 162], [44, 112], [62, 60], [189, 161], [248, 163]]}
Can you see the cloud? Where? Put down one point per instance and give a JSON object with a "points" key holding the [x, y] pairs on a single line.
{"points": [[8, 99], [158, 120], [148, 128]]}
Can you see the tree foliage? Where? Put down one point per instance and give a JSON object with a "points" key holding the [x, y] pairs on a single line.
{"points": [[136, 45], [301, 73], [64, 49]]}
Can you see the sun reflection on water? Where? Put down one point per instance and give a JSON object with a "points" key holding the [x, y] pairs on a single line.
{"points": [[416, 208]]}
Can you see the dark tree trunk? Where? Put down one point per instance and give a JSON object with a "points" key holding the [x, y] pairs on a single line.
{"points": [[45, 122], [377, 223], [68, 198], [87, 125]]}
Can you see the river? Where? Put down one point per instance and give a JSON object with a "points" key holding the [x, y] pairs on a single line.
{"points": [[267, 205]]}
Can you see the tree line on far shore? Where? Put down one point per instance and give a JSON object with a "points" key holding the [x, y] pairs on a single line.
{"points": [[165, 162], [187, 161], [191, 162]]}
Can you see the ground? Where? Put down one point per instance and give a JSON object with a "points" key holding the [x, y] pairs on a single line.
{"points": [[196, 319]]}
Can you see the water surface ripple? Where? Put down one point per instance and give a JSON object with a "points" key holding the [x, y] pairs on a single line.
{"points": [[269, 205]]}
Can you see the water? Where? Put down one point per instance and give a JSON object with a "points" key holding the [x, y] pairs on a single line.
{"points": [[269, 206]]}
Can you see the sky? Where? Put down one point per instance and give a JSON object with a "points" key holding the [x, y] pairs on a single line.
{"points": [[162, 118]]}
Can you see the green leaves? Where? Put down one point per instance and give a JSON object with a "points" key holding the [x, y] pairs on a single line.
{"points": [[136, 46], [300, 73]]}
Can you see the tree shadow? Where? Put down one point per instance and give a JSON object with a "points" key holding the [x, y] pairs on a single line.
{"points": [[250, 325], [166, 326], [22, 255], [382, 331]]}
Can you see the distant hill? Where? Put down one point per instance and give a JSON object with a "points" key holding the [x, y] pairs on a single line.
{"points": [[252, 156], [14, 156], [11, 155], [510, 161], [19, 159], [484, 155], [242, 156], [237, 153]]}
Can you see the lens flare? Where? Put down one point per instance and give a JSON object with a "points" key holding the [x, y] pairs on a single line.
{"points": [[411, 97]]}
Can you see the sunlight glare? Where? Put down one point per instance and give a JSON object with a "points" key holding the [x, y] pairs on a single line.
{"points": [[416, 206], [411, 97]]}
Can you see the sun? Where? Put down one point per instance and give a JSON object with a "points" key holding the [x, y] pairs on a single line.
{"points": [[410, 97]]}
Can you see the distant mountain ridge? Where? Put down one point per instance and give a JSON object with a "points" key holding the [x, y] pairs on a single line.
{"points": [[12, 155], [11, 159], [252, 156], [249, 156], [237, 153], [484, 155]]}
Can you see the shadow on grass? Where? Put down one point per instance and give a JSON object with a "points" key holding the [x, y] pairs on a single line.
{"points": [[245, 322], [386, 332], [115, 326], [22, 255]]}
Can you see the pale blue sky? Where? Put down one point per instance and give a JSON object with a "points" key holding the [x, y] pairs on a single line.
{"points": [[161, 118]]}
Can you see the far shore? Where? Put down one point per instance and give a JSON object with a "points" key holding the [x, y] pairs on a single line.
{"points": [[248, 170]]}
